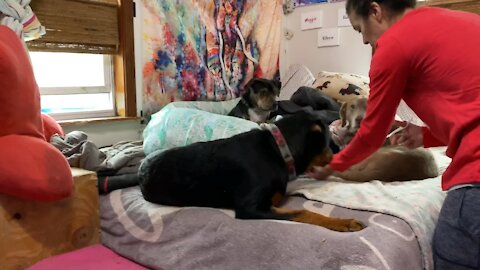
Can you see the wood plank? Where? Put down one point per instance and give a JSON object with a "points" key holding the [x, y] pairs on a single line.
{"points": [[124, 61], [102, 2], [463, 5], [31, 231]]}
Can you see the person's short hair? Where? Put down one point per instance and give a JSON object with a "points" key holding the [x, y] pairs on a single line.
{"points": [[362, 7]]}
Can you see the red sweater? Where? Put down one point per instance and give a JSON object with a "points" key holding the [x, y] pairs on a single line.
{"points": [[431, 59]]}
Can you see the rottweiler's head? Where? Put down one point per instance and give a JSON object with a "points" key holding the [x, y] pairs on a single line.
{"points": [[318, 141], [261, 94], [308, 138]]}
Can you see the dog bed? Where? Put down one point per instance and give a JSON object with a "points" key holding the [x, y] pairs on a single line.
{"points": [[162, 237], [396, 237]]}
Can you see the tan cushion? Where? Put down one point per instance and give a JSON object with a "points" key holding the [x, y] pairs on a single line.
{"points": [[342, 87]]}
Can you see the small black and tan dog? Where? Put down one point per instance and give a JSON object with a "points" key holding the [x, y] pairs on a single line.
{"points": [[247, 172], [258, 100]]}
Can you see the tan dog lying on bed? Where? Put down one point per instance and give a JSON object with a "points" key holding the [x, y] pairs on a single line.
{"points": [[389, 163]]}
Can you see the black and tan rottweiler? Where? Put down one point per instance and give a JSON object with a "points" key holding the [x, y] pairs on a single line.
{"points": [[247, 172]]}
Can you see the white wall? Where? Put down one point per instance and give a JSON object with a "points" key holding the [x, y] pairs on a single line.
{"points": [[138, 43], [351, 56], [104, 134]]}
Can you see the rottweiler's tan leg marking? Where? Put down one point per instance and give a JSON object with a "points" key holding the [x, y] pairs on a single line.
{"points": [[277, 199], [336, 224]]}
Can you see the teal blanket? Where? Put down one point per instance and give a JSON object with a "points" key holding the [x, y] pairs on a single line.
{"points": [[184, 123]]}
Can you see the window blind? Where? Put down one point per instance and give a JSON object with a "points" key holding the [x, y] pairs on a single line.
{"points": [[84, 26]]}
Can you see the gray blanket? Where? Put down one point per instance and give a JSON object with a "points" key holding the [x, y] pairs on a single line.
{"points": [[161, 237], [121, 158]]}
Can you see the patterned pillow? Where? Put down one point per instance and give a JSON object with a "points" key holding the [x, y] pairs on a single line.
{"points": [[342, 87]]}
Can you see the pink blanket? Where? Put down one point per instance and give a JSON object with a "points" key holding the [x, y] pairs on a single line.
{"points": [[89, 258]]}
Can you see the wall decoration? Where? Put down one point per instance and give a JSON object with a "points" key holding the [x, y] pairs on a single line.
{"points": [[343, 18], [206, 49], [311, 20], [328, 37]]}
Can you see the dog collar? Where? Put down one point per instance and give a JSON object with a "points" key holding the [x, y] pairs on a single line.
{"points": [[283, 147]]}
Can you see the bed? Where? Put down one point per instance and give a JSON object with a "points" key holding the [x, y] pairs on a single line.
{"points": [[400, 219]]}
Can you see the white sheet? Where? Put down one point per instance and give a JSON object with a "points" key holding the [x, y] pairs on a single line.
{"points": [[416, 202]]}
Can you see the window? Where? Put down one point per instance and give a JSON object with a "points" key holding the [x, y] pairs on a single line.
{"points": [[84, 65], [74, 85]]}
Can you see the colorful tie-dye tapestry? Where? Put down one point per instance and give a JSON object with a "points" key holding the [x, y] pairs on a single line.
{"points": [[207, 49], [309, 2]]}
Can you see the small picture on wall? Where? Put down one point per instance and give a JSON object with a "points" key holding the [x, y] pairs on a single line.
{"points": [[308, 2]]}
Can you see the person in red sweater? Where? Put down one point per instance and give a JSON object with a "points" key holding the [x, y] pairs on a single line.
{"points": [[429, 57]]}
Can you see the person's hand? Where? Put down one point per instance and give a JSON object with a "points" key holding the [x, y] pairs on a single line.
{"points": [[320, 173], [338, 133], [411, 136]]}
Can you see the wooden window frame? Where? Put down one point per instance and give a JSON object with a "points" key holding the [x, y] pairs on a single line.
{"points": [[124, 62]]}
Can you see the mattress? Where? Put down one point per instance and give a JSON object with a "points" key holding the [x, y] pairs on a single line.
{"points": [[398, 235]]}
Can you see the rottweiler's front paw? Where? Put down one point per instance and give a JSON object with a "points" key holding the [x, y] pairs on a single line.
{"points": [[348, 225], [355, 225]]}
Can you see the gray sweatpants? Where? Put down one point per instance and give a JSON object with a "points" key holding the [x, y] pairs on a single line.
{"points": [[456, 243]]}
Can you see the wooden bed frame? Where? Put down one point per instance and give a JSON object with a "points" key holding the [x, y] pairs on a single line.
{"points": [[464, 5], [31, 231]]}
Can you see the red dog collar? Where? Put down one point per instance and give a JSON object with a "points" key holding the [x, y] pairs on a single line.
{"points": [[283, 147]]}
